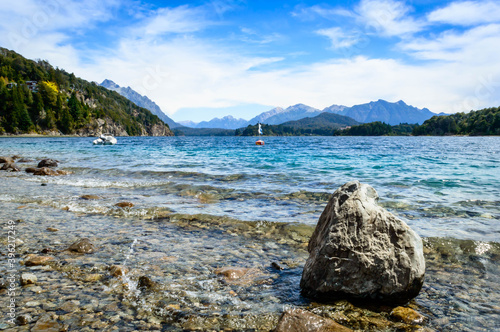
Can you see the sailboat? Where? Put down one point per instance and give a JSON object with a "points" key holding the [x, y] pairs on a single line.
{"points": [[260, 142]]}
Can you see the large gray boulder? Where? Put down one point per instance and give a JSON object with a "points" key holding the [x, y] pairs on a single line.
{"points": [[360, 251]]}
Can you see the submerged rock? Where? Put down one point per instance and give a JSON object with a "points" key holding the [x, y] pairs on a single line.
{"points": [[48, 163], [28, 278], [49, 172], [297, 320], [10, 167], [146, 283], [6, 160], [124, 204], [361, 251], [90, 197], [118, 270], [47, 323], [82, 246], [406, 315], [34, 260]]}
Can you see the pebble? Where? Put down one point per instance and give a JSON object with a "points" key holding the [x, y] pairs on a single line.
{"points": [[28, 278], [124, 204], [406, 315], [83, 246], [34, 260], [23, 319]]}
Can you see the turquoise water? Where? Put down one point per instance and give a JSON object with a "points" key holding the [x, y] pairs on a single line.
{"points": [[442, 186], [203, 203]]}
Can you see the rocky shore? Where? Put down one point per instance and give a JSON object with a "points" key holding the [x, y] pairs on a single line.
{"points": [[120, 271]]}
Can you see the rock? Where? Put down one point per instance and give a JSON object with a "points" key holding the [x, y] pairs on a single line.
{"points": [[90, 197], [360, 251], [277, 266], [118, 270], [406, 315], [34, 260], [30, 170], [52, 229], [28, 278], [124, 204], [48, 163], [10, 167], [145, 283], [70, 306], [47, 324], [297, 320], [82, 246], [25, 160], [49, 172], [241, 276], [6, 160], [23, 319], [231, 272]]}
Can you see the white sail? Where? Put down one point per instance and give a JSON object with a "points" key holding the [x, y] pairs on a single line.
{"points": [[260, 130]]}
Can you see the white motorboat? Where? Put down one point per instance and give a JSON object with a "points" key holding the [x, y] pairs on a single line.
{"points": [[105, 139]]}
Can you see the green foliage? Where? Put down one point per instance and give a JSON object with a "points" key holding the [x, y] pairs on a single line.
{"points": [[378, 129], [186, 131], [62, 101], [325, 124], [482, 122]]}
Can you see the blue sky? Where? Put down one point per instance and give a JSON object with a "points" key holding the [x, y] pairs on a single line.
{"points": [[203, 59]]}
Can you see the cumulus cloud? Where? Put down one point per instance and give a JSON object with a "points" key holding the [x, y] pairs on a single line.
{"points": [[467, 13], [163, 56], [388, 17], [339, 38]]}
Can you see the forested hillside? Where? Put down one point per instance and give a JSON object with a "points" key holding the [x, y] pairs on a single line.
{"points": [[482, 122], [38, 98]]}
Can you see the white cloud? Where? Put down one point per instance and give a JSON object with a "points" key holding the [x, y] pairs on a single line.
{"points": [[339, 38], [181, 19], [311, 13], [467, 13], [388, 17], [180, 70]]}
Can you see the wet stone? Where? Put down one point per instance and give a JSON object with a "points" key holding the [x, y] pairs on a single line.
{"points": [[48, 163], [34, 260], [28, 278], [124, 204], [298, 320], [145, 283], [45, 171], [23, 319], [82, 246], [118, 270], [70, 306], [90, 197], [406, 315]]}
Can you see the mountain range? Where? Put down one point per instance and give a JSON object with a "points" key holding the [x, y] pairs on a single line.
{"points": [[380, 110], [139, 100]]}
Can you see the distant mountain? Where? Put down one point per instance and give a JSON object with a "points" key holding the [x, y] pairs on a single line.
{"points": [[187, 123], [140, 100], [278, 115], [324, 124], [384, 111], [321, 121], [227, 122], [335, 108]]}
